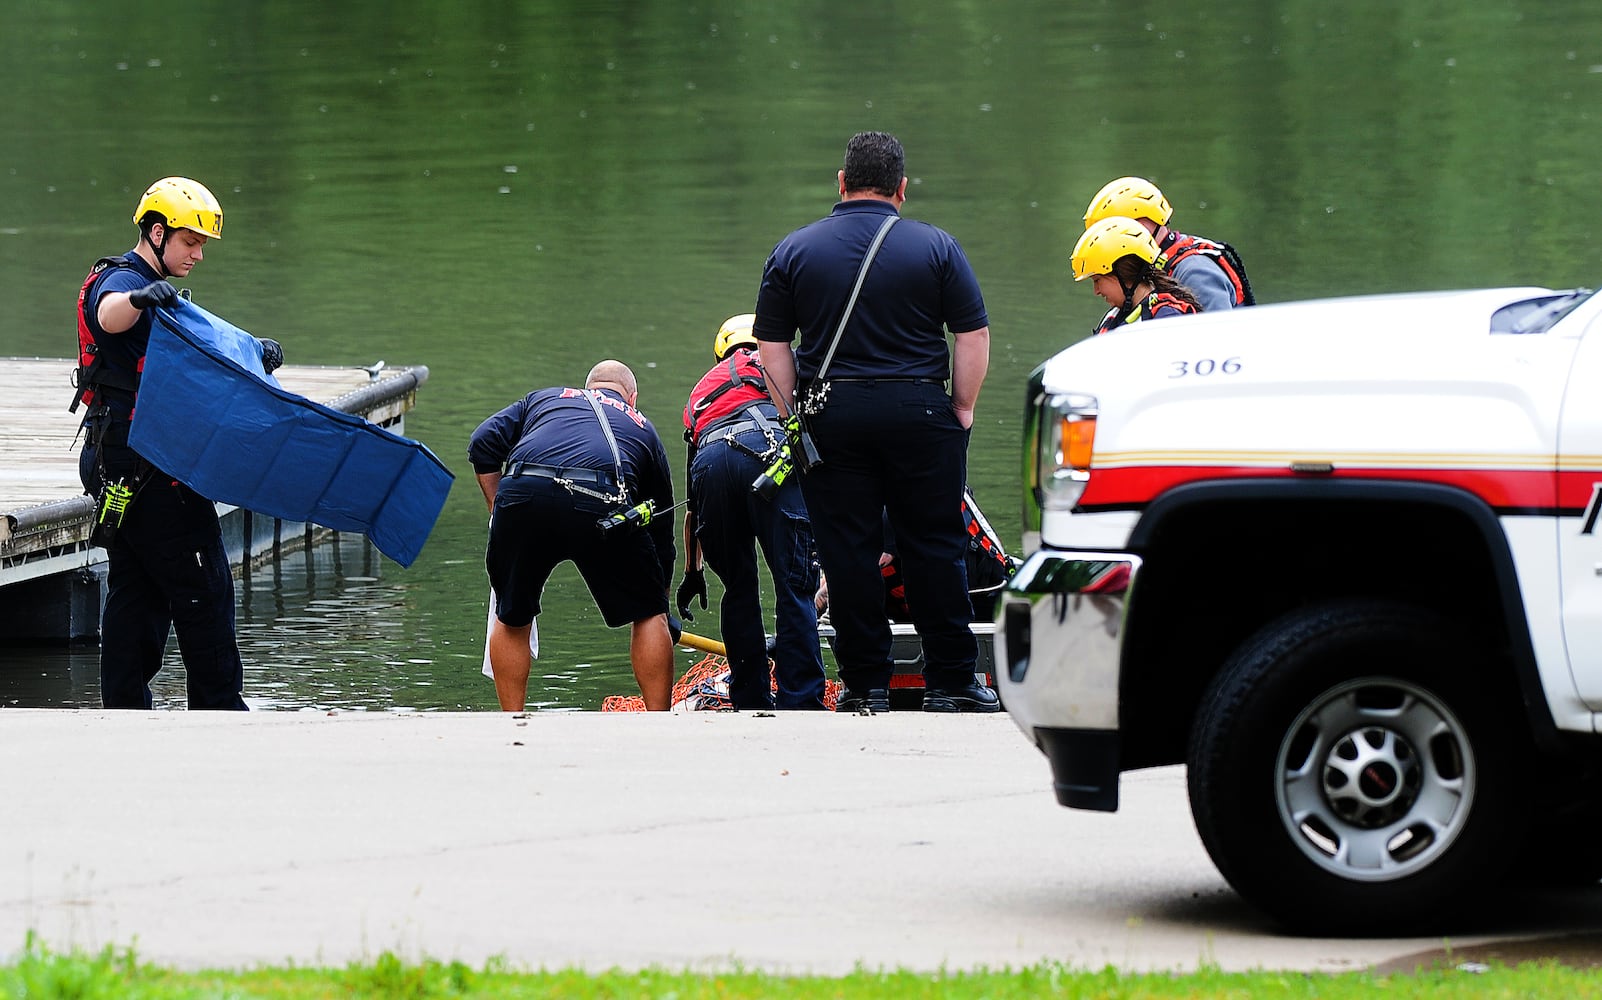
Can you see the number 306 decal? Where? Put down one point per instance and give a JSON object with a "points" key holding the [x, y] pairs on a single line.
{"points": [[1203, 367]]}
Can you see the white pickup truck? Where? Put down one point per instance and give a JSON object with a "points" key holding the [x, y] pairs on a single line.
{"points": [[1341, 559]]}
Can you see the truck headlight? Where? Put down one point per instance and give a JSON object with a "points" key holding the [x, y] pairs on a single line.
{"points": [[1067, 438]]}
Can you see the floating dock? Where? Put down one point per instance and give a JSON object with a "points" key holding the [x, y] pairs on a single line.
{"points": [[52, 582]]}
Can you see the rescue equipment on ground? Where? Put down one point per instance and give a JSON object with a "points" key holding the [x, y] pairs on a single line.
{"points": [[986, 561], [268, 450], [989, 566], [705, 688]]}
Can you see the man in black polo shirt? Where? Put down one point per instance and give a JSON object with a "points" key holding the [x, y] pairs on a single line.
{"points": [[890, 438], [552, 465]]}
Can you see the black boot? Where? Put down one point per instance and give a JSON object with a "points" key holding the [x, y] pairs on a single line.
{"points": [[875, 702], [972, 698]]}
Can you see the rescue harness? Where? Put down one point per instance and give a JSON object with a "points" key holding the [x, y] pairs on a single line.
{"points": [[93, 372], [1148, 310], [1181, 245], [724, 392]]}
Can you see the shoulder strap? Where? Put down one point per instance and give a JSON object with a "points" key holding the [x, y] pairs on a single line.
{"points": [[736, 379], [1248, 297], [611, 441], [851, 304]]}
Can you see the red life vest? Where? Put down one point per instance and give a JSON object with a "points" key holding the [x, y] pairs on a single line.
{"points": [[987, 563], [723, 392], [1182, 245], [92, 370], [1148, 310]]}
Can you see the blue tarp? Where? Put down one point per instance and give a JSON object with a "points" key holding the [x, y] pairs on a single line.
{"points": [[210, 416]]}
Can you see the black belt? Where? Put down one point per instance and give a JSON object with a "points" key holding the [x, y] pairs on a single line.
{"points": [[724, 429], [595, 477], [921, 380]]}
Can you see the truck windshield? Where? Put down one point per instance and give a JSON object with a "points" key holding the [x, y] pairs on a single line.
{"points": [[1537, 315]]}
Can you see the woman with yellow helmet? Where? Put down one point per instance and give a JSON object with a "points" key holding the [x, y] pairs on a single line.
{"points": [[1120, 257], [1211, 269]]}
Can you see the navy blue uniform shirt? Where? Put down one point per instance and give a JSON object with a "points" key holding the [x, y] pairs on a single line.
{"points": [[919, 287]]}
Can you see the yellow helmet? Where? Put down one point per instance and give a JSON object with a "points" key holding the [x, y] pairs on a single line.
{"points": [[1108, 240], [735, 332], [183, 204], [1131, 197]]}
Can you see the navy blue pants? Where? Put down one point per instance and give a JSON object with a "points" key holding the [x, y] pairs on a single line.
{"points": [[896, 448], [731, 521], [168, 572]]}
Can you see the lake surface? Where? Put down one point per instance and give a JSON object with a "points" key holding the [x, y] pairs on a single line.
{"points": [[507, 193]]}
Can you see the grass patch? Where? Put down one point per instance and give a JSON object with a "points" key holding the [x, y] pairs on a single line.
{"points": [[38, 973]]}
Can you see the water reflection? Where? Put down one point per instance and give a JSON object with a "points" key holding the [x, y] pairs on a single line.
{"points": [[339, 627], [332, 627], [507, 193]]}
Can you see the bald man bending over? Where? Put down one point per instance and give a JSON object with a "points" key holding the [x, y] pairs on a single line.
{"points": [[552, 465]]}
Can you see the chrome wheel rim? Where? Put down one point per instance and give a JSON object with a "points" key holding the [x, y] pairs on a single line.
{"points": [[1374, 780]]}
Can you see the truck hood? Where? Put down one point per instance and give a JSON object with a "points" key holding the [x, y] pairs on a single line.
{"points": [[1356, 383], [1414, 315]]}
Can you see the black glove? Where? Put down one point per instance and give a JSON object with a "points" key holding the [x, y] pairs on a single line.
{"points": [[272, 354], [694, 585], [157, 293], [675, 628]]}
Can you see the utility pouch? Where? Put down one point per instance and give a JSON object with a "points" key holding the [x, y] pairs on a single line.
{"points": [[806, 449], [111, 506]]}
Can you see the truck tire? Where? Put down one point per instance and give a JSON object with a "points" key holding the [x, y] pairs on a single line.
{"points": [[1349, 771]]}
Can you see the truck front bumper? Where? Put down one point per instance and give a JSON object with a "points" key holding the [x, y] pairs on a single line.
{"points": [[1059, 634]]}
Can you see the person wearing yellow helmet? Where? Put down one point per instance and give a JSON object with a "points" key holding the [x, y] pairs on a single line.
{"points": [[1120, 258], [168, 570], [734, 333], [734, 433], [1211, 269]]}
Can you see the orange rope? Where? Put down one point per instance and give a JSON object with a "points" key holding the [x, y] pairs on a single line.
{"points": [[705, 687]]}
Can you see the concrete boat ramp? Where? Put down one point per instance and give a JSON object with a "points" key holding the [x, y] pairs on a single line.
{"points": [[789, 842]]}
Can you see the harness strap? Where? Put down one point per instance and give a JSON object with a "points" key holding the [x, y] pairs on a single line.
{"points": [[622, 495], [87, 378], [736, 379], [729, 429], [1182, 245]]}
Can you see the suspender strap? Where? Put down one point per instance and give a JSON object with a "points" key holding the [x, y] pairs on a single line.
{"points": [[590, 395]]}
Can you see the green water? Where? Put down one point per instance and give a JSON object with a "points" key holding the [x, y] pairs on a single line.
{"points": [[508, 192]]}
